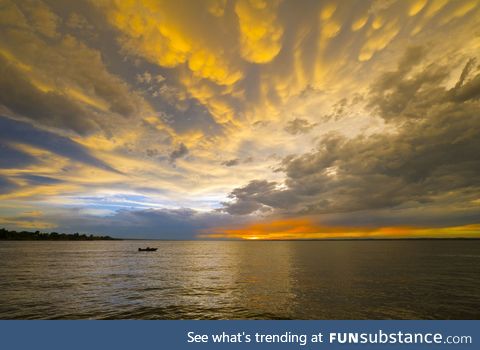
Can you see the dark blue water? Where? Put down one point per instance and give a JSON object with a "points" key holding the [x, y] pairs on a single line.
{"points": [[240, 280]]}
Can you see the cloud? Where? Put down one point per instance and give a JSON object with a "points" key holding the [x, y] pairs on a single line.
{"points": [[79, 24], [101, 96], [395, 95], [16, 132], [43, 166], [416, 7], [237, 161], [260, 31], [299, 126], [6, 185], [56, 80], [159, 32], [245, 61], [249, 198], [38, 179], [179, 152], [429, 159], [231, 162], [26, 224], [41, 18], [467, 90], [378, 40], [48, 108], [181, 223], [27, 220], [13, 158]]}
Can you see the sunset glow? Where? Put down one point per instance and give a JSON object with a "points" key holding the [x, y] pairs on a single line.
{"points": [[306, 229]]}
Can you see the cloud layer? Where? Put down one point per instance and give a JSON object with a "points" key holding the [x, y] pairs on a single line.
{"points": [[340, 113], [429, 158]]}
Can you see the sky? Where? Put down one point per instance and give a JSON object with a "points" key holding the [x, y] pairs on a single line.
{"points": [[241, 119]]}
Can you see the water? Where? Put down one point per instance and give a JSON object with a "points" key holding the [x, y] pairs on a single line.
{"points": [[240, 280]]}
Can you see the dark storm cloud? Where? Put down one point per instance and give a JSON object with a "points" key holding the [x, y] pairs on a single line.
{"points": [[299, 126], [431, 158], [20, 132]]}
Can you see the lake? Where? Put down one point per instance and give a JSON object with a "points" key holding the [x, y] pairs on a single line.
{"points": [[240, 280]]}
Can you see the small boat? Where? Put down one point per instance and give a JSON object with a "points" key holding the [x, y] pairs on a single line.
{"points": [[148, 249]]}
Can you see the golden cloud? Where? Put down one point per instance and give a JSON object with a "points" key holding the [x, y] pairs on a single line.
{"points": [[170, 36], [260, 30], [416, 7], [378, 39]]}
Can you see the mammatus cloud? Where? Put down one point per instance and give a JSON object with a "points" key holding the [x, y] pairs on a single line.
{"points": [[158, 31], [260, 30]]}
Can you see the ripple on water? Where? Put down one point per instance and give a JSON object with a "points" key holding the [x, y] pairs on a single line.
{"points": [[240, 280]]}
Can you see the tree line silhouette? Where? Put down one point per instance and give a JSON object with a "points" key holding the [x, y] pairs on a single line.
{"points": [[7, 235]]}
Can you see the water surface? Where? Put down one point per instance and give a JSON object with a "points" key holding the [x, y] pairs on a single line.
{"points": [[240, 280]]}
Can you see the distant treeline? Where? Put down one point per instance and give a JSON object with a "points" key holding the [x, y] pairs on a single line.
{"points": [[6, 235]]}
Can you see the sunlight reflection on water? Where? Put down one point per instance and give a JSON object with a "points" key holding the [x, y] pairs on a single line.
{"points": [[247, 280]]}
